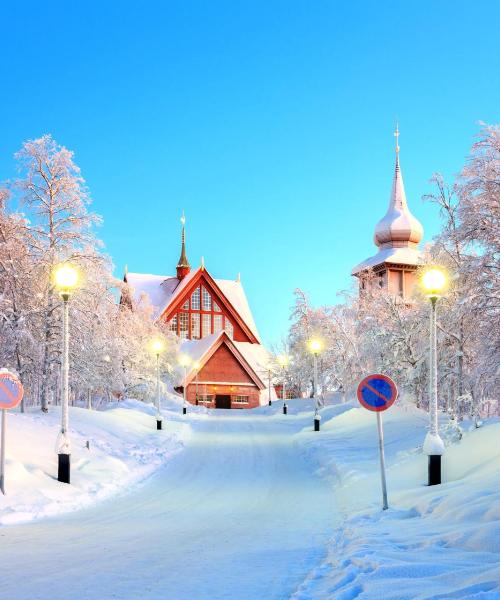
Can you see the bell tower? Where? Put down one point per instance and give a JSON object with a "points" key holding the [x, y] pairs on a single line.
{"points": [[397, 236]]}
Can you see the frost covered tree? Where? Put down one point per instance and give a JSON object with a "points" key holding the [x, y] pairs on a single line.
{"points": [[54, 192]]}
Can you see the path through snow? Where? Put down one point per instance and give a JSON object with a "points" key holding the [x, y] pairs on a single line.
{"points": [[238, 514]]}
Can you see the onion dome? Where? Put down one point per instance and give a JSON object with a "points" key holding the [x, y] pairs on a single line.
{"points": [[399, 228]]}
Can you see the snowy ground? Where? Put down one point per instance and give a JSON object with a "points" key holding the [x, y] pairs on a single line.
{"points": [[438, 542], [124, 448], [255, 506]]}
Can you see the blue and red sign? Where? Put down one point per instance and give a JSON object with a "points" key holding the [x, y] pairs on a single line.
{"points": [[377, 392], [11, 390]]}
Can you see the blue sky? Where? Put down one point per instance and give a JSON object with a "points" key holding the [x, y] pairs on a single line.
{"points": [[269, 123]]}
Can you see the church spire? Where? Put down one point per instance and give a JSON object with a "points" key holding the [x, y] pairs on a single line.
{"points": [[183, 266], [399, 228]]}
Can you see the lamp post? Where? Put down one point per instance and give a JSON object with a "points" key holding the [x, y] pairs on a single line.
{"points": [[315, 346], [184, 361], [269, 383], [433, 282], [158, 346], [283, 361], [196, 366], [66, 279]]}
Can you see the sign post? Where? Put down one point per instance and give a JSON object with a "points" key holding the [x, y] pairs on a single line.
{"points": [[378, 393], [11, 394]]}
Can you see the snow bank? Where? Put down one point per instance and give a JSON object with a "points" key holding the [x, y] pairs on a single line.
{"points": [[124, 448], [433, 542]]}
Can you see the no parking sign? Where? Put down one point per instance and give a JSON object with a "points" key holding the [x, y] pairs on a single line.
{"points": [[11, 394], [377, 393]]}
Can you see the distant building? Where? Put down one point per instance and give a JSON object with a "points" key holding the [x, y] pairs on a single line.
{"points": [[397, 236], [227, 362]]}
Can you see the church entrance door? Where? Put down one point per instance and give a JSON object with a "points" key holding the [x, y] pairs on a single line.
{"points": [[222, 401]]}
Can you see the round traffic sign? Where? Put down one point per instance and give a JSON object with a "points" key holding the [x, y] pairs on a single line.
{"points": [[377, 392], [11, 390]]}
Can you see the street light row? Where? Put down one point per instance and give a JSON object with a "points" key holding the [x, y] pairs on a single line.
{"points": [[433, 281]]}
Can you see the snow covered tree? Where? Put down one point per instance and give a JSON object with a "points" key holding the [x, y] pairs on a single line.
{"points": [[54, 192]]}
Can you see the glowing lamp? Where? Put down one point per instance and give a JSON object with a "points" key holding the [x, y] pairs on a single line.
{"points": [[157, 346], [315, 345], [283, 360], [184, 360], [65, 278], [434, 281]]}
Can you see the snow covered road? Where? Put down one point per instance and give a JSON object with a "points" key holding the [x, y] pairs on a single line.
{"points": [[238, 514]]}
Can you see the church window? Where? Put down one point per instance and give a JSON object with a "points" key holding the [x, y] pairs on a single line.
{"points": [[216, 307], [195, 299], [205, 399], [400, 283], [183, 324], [207, 300], [381, 280], [217, 323], [240, 399], [185, 306], [229, 328], [195, 326], [207, 325], [173, 324]]}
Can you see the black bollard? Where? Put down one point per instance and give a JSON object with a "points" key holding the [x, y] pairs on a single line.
{"points": [[434, 469], [63, 472], [285, 409], [184, 410], [317, 423], [159, 424]]}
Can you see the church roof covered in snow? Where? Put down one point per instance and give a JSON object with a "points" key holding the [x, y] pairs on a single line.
{"points": [[162, 290]]}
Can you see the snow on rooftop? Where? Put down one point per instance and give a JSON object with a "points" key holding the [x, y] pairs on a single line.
{"points": [[398, 256], [161, 290]]}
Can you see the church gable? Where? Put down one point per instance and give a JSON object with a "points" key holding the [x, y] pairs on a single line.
{"points": [[223, 366], [201, 309]]}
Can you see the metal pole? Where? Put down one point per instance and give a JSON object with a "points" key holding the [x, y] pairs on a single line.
{"points": [[285, 408], [317, 418], [159, 418], [269, 385], [2, 453], [184, 391], [385, 506], [64, 452], [434, 446], [196, 391]]}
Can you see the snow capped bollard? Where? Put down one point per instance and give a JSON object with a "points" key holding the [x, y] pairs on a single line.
{"points": [[317, 422], [159, 422]]}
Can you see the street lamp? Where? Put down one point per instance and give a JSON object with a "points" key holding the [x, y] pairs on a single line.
{"points": [[65, 280], [315, 346], [283, 361], [269, 371], [196, 365], [184, 361], [433, 282], [157, 346]]}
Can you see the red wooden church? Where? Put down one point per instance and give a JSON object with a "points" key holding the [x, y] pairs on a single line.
{"points": [[227, 366]]}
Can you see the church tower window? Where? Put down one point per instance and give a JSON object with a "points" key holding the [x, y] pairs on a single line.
{"points": [[229, 328], [217, 323], [195, 326], [207, 325], [216, 307], [195, 299], [183, 324], [173, 324], [207, 299]]}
